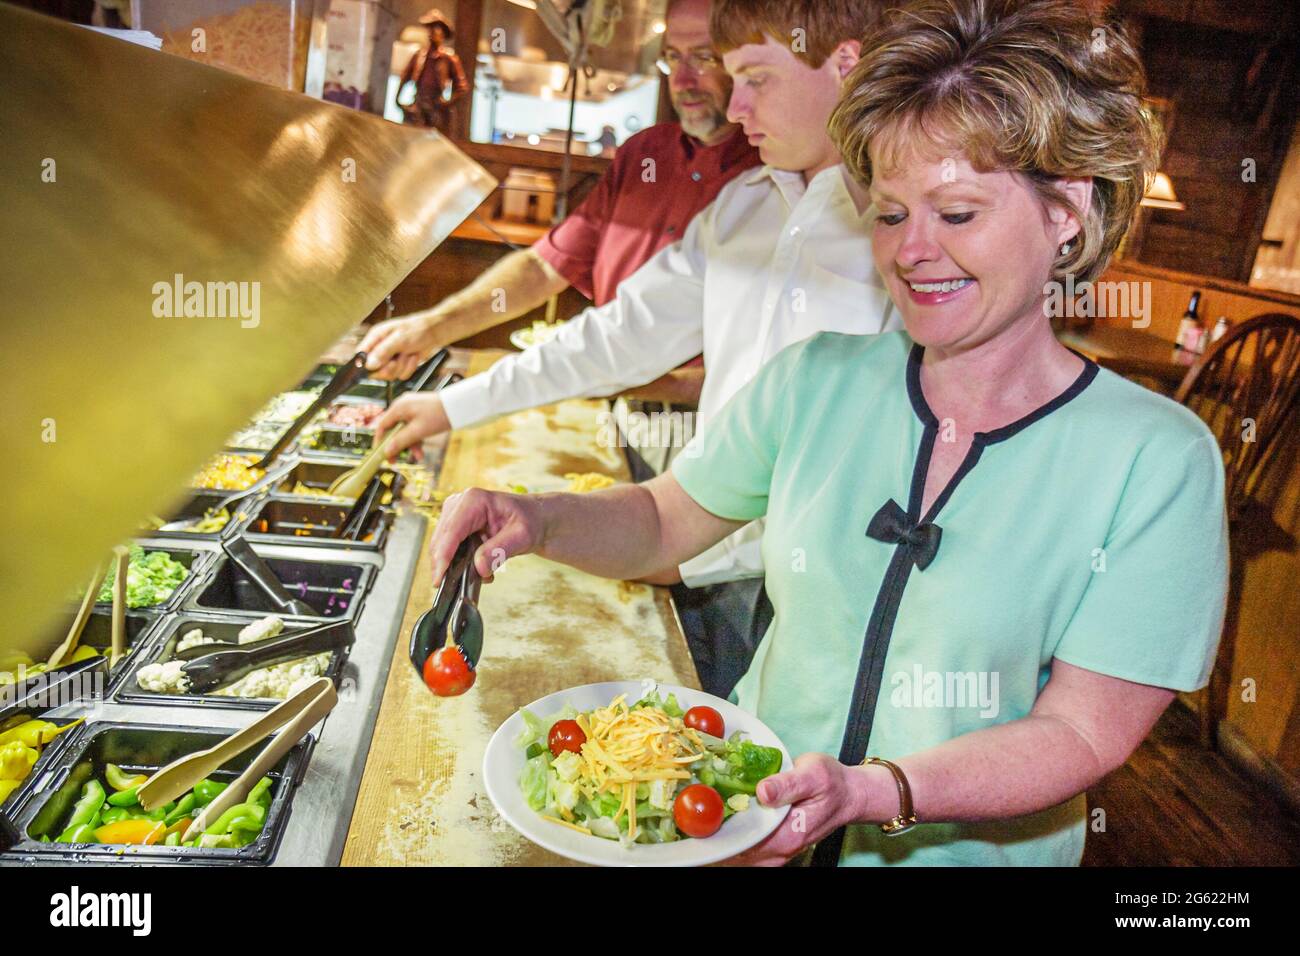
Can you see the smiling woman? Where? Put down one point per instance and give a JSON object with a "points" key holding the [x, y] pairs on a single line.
{"points": [[1013, 519]]}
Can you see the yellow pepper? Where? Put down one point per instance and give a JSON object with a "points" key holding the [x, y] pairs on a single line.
{"points": [[28, 733], [82, 652], [16, 760], [132, 831], [7, 787]]}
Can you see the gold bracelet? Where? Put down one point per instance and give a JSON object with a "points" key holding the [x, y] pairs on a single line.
{"points": [[906, 818]]}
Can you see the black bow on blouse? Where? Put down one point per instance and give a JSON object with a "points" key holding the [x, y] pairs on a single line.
{"points": [[892, 525]]}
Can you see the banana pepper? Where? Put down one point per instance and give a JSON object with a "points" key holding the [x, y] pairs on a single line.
{"points": [[16, 760]]}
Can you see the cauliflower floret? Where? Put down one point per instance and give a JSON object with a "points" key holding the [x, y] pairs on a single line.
{"points": [[267, 627], [279, 680], [193, 638], [163, 678]]}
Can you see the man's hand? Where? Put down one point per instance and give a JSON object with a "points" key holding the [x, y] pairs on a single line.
{"points": [[396, 347], [422, 415], [823, 795]]}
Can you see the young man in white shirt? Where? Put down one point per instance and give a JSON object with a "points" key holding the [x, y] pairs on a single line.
{"points": [[782, 254]]}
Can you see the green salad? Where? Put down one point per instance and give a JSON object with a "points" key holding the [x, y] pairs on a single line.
{"points": [[150, 578], [648, 772]]}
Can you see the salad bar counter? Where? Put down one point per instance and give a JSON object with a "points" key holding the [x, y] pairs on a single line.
{"points": [[69, 793], [393, 775]]}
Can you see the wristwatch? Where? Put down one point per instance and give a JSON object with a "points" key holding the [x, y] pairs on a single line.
{"points": [[906, 818]]}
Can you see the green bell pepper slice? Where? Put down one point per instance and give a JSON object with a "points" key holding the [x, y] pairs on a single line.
{"points": [[92, 798], [81, 833], [125, 798], [205, 791], [242, 816], [114, 814], [182, 809], [261, 793]]}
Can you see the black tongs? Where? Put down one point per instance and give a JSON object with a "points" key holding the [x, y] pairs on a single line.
{"points": [[420, 377], [209, 666], [354, 522], [250, 562], [347, 376], [454, 611]]}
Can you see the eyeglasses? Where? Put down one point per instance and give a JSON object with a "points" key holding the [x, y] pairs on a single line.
{"points": [[701, 61]]}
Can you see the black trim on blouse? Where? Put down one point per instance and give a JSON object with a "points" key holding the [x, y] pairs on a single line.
{"points": [[916, 541]]}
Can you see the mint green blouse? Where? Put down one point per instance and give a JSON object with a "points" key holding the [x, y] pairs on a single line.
{"points": [[1092, 530]]}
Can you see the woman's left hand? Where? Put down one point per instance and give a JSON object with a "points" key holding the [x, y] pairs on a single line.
{"points": [[823, 795]]}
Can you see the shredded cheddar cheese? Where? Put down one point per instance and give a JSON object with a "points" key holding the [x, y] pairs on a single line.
{"points": [[626, 747]]}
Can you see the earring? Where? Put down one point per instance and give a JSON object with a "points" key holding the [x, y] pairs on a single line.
{"points": [[1065, 248]]}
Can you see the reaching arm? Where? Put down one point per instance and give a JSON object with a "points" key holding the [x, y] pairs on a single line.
{"points": [[654, 323], [517, 283], [626, 532]]}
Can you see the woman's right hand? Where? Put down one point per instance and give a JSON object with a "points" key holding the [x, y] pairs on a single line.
{"points": [[511, 524], [396, 347]]}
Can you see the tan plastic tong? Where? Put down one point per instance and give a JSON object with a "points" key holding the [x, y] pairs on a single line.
{"points": [[296, 715]]}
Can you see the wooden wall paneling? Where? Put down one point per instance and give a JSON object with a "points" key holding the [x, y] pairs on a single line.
{"points": [[1206, 70], [469, 27]]}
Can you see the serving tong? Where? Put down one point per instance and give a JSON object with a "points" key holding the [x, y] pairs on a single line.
{"points": [[354, 522], [352, 483], [347, 375], [209, 666], [454, 617], [88, 602], [250, 562], [183, 524], [421, 376], [69, 643], [293, 718], [118, 629]]}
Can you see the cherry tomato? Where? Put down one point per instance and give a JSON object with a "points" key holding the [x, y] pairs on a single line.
{"points": [[698, 811], [565, 735], [706, 720], [447, 672]]}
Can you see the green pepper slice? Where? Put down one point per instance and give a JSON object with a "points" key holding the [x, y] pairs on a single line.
{"points": [[92, 798]]}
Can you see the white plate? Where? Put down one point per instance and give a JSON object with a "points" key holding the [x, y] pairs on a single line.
{"points": [[525, 337], [503, 762]]}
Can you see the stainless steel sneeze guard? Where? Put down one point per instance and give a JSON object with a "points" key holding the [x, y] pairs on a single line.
{"points": [[127, 174]]}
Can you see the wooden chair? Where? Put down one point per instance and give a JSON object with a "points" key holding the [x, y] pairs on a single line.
{"points": [[1246, 387]]}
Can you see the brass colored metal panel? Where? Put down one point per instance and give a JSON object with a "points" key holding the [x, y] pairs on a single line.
{"points": [[126, 174]]}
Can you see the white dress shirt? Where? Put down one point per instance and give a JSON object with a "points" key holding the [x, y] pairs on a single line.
{"points": [[768, 263]]}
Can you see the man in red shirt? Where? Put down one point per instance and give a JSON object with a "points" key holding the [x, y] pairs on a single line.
{"points": [[659, 179]]}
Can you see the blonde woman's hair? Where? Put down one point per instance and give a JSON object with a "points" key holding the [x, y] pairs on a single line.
{"points": [[1035, 87]]}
